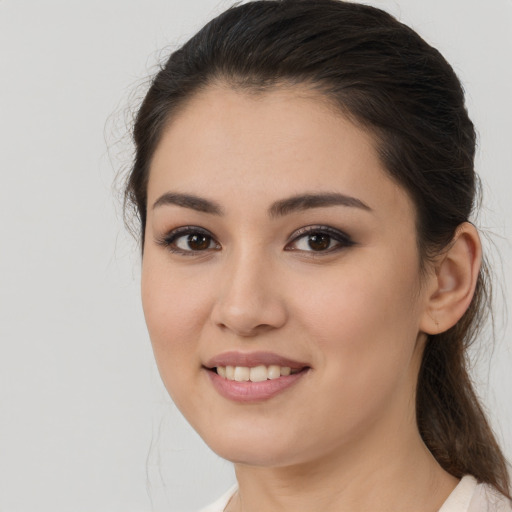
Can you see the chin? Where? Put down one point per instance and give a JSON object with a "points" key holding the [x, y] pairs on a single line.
{"points": [[254, 456], [251, 447]]}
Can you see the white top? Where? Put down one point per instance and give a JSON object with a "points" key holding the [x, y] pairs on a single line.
{"points": [[468, 496]]}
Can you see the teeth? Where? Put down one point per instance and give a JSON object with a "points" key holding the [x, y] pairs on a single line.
{"points": [[241, 373], [285, 370], [274, 372], [254, 374], [258, 374]]}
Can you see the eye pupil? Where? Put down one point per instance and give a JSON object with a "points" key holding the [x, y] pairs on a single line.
{"points": [[198, 242], [319, 241]]}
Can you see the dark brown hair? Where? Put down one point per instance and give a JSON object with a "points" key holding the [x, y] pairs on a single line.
{"points": [[386, 78]]}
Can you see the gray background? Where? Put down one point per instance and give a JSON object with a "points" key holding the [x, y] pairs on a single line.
{"points": [[85, 424]]}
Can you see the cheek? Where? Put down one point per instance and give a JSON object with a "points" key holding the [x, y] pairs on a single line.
{"points": [[365, 321], [174, 308]]}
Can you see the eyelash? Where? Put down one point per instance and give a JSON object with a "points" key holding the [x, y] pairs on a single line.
{"points": [[341, 240], [169, 240]]}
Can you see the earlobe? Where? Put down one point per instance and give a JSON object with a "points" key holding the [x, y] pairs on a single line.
{"points": [[454, 282]]}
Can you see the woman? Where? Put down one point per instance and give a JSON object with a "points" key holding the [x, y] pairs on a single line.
{"points": [[304, 181]]}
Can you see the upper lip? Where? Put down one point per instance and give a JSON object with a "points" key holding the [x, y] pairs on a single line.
{"points": [[251, 359]]}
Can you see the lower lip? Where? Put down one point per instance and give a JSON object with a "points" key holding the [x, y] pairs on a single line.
{"points": [[253, 391]]}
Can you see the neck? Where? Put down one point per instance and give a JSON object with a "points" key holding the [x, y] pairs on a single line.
{"points": [[399, 474]]}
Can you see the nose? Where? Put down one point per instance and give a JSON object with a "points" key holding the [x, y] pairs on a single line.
{"points": [[250, 299]]}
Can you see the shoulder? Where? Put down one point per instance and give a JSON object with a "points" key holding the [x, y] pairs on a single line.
{"points": [[471, 496], [220, 504], [487, 499]]}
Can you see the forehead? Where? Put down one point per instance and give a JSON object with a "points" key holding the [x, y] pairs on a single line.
{"points": [[263, 145]]}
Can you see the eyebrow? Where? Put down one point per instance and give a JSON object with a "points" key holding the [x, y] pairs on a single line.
{"points": [[189, 201], [278, 209], [307, 201]]}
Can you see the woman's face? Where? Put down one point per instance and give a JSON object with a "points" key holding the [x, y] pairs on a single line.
{"points": [[275, 240]]}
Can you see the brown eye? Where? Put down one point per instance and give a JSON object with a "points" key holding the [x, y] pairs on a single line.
{"points": [[189, 240], [319, 241], [198, 242], [194, 242]]}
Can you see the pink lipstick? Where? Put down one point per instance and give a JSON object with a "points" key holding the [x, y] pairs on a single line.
{"points": [[254, 376]]}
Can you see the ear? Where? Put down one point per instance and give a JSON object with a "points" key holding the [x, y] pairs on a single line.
{"points": [[452, 285]]}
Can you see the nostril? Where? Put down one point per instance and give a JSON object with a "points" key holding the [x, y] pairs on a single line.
{"points": [[250, 311]]}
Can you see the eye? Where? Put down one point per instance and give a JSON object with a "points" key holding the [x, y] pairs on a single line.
{"points": [[318, 239], [189, 240]]}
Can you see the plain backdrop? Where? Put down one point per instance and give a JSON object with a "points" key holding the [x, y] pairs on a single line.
{"points": [[85, 424]]}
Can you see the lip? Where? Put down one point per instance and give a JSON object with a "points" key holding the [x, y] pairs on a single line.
{"points": [[250, 359], [253, 391], [248, 391]]}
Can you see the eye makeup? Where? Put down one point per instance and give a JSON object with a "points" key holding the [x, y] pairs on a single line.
{"points": [[188, 241], [318, 239]]}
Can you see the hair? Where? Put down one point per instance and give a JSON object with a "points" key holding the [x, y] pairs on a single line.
{"points": [[385, 78]]}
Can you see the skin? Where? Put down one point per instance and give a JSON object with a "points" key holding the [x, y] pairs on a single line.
{"points": [[344, 437]]}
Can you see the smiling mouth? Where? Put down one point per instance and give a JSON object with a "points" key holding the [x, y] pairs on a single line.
{"points": [[259, 373], [254, 384], [253, 377]]}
